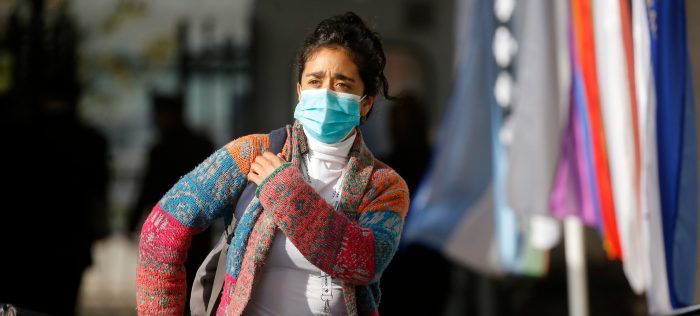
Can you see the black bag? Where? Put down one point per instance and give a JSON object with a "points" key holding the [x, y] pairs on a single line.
{"points": [[209, 280]]}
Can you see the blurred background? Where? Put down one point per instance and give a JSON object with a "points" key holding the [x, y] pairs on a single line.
{"points": [[98, 98]]}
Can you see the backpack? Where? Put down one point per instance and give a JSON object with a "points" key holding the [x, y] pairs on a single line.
{"points": [[209, 280]]}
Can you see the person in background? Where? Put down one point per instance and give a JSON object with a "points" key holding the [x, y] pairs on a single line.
{"points": [[56, 166], [55, 204], [408, 129], [327, 217], [410, 155]]}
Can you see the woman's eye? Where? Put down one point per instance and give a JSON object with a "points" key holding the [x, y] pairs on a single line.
{"points": [[343, 85], [314, 82]]}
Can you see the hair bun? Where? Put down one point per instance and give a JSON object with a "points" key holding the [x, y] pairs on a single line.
{"points": [[349, 31], [353, 18]]}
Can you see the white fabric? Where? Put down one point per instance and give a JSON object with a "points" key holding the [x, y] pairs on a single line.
{"points": [[473, 242], [616, 108], [546, 232], [658, 298], [536, 117], [326, 163], [288, 283]]}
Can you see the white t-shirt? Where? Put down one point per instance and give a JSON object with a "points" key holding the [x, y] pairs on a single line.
{"points": [[289, 284]]}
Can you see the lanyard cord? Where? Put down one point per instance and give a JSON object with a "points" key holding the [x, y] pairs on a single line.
{"points": [[326, 285]]}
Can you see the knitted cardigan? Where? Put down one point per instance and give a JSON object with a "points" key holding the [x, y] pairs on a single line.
{"points": [[354, 244]]}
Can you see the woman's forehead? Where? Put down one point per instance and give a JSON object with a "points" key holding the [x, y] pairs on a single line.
{"points": [[331, 59]]}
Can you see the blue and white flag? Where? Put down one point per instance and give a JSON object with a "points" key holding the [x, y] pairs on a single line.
{"points": [[676, 140], [453, 207], [657, 294]]}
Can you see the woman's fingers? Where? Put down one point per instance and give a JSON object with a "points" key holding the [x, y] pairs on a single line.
{"points": [[262, 161], [268, 155], [254, 178], [274, 160], [256, 167], [255, 170], [263, 165]]}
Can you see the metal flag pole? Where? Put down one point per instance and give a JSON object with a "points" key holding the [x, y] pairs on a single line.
{"points": [[576, 266]]}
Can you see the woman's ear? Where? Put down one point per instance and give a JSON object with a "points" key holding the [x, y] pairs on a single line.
{"points": [[298, 92], [366, 104]]}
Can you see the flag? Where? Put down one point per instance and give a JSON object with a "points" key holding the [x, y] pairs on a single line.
{"points": [[539, 112], [616, 106], [585, 59], [452, 209], [676, 145], [574, 191], [657, 294]]}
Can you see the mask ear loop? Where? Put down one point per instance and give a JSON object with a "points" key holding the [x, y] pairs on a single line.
{"points": [[298, 91], [363, 118]]}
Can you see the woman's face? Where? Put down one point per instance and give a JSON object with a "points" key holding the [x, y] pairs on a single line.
{"points": [[333, 69]]}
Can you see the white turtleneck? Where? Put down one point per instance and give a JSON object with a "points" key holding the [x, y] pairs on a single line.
{"points": [[326, 163], [288, 283]]}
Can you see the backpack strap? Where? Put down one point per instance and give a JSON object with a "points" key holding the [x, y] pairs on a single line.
{"points": [[277, 139]]}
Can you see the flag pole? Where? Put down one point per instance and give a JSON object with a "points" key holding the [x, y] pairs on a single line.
{"points": [[576, 266]]}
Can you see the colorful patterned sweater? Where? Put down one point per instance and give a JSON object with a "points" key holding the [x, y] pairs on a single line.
{"points": [[353, 244]]}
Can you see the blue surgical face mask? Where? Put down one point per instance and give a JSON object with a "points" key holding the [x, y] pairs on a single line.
{"points": [[326, 115]]}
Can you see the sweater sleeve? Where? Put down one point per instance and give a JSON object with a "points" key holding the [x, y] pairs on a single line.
{"points": [[197, 199], [354, 251]]}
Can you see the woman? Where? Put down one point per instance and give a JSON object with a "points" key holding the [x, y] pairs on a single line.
{"points": [[329, 215]]}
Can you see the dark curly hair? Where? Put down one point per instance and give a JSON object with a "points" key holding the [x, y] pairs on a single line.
{"points": [[365, 47]]}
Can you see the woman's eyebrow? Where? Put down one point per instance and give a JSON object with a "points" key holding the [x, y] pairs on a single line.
{"points": [[318, 74], [343, 77], [337, 75]]}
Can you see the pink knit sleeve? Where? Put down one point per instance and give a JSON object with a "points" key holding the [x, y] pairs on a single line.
{"points": [[160, 275], [354, 251], [197, 199]]}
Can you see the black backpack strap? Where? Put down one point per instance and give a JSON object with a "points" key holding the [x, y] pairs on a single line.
{"points": [[277, 139]]}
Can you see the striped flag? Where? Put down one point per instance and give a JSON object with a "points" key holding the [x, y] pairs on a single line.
{"points": [[658, 299], [585, 59], [676, 141], [615, 103]]}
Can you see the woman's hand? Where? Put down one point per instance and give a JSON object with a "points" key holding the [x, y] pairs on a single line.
{"points": [[263, 166]]}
